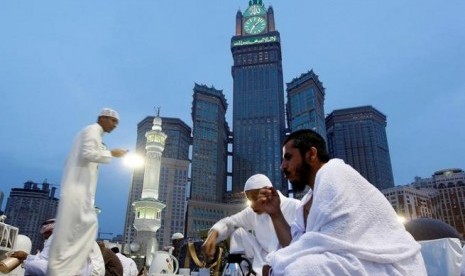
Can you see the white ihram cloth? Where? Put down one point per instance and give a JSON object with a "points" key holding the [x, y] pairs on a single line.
{"points": [[129, 266], [76, 221], [351, 230], [263, 240]]}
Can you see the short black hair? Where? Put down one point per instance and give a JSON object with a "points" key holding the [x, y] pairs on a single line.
{"points": [[115, 249], [304, 139]]}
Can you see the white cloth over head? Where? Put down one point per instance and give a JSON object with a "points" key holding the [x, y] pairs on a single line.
{"points": [[257, 181], [351, 230]]}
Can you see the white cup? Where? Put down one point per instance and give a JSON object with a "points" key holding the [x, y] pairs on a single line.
{"points": [[184, 271]]}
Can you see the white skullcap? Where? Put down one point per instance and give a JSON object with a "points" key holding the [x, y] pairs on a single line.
{"points": [[257, 181], [177, 236], [109, 113]]}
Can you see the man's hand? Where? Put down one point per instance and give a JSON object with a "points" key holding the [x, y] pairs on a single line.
{"points": [[118, 152], [268, 197], [20, 255], [208, 247]]}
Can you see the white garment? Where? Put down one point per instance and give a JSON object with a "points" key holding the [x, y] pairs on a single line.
{"points": [[351, 230], [76, 224], [37, 264], [129, 266], [442, 256], [95, 265], [262, 228]]}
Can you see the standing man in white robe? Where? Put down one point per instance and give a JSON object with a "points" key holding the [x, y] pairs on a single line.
{"points": [[251, 229], [76, 225]]}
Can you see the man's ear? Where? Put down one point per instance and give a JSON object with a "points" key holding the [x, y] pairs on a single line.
{"points": [[310, 155]]}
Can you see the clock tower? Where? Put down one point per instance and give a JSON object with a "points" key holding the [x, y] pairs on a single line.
{"points": [[258, 97]]}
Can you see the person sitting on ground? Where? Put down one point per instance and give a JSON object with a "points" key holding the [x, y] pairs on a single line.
{"points": [[37, 264], [251, 230], [344, 224], [113, 266], [129, 266]]}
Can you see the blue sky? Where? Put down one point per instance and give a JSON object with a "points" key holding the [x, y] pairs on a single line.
{"points": [[62, 61]]}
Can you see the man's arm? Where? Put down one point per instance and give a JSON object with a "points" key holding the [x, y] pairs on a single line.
{"points": [[209, 245], [269, 197]]}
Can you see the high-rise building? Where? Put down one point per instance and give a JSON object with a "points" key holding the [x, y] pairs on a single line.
{"points": [[28, 207], [1, 201], [258, 97], [358, 136], [209, 157], [441, 196], [305, 104], [450, 183], [173, 178]]}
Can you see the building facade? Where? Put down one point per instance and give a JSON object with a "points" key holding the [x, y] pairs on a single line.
{"points": [[305, 104], [258, 97], [173, 178], [358, 136], [441, 196], [450, 185], [209, 154], [28, 207], [411, 203]]}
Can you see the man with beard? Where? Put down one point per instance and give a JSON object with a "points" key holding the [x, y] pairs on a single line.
{"points": [[343, 226]]}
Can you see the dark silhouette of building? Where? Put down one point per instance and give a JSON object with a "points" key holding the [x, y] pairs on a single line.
{"points": [[258, 97], [28, 207], [305, 104], [358, 136], [209, 158]]}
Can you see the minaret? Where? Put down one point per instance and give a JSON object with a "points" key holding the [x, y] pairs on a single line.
{"points": [[148, 209]]}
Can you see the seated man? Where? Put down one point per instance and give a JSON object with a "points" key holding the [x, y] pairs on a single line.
{"points": [[37, 264], [129, 266], [251, 229], [344, 224]]}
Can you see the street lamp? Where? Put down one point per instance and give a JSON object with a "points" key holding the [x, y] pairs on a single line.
{"points": [[133, 160]]}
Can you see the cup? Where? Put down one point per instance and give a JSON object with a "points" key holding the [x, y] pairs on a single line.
{"points": [[184, 271], [204, 272], [8, 264]]}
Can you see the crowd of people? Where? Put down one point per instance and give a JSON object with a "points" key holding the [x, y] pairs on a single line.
{"points": [[342, 226]]}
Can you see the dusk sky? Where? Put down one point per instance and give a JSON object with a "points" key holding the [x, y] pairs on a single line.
{"points": [[62, 61]]}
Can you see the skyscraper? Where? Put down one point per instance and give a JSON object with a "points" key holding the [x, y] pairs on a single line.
{"points": [[209, 157], [305, 104], [173, 177], [27, 208], [258, 97], [358, 136]]}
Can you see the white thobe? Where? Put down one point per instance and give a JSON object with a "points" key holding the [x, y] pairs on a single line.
{"points": [[129, 266], [76, 224], [256, 235], [37, 264]]}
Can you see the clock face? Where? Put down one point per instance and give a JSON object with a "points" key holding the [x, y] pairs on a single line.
{"points": [[255, 25]]}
